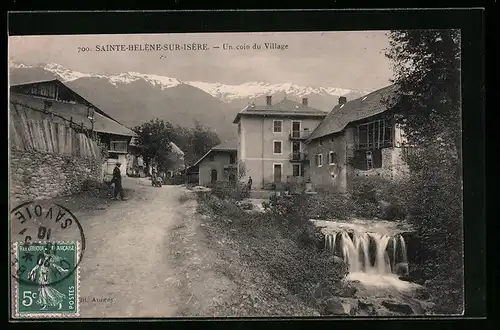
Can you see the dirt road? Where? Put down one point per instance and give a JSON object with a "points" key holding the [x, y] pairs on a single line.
{"points": [[145, 258]]}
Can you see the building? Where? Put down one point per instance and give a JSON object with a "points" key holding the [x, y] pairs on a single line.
{"points": [[271, 140], [218, 164], [358, 137], [55, 97], [137, 166]]}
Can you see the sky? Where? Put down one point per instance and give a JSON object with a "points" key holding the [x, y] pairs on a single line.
{"points": [[352, 60]]}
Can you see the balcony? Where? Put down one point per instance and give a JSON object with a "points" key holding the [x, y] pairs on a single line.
{"points": [[119, 147], [300, 135], [299, 156]]}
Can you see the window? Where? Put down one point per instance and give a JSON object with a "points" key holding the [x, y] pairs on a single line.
{"points": [[232, 158], [374, 135], [332, 138], [319, 160], [277, 126], [332, 158], [296, 171], [277, 147], [211, 157], [320, 142], [367, 159], [118, 146]]}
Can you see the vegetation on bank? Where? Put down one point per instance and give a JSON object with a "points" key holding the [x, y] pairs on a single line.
{"points": [[281, 242], [428, 103]]}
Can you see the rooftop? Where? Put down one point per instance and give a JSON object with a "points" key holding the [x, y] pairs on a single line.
{"points": [[285, 107], [360, 108], [230, 145], [76, 111]]}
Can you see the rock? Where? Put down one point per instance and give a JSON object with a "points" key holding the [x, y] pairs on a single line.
{"points": [[347, 291], [406, 278], [337, 260], [335, 307], [397, 307]]}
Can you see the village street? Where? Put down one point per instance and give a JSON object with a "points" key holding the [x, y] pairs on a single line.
{"points": [[145, 258]]}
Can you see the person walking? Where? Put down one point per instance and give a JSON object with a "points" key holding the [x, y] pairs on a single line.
{"points": [[117, 180], [250, 183]]}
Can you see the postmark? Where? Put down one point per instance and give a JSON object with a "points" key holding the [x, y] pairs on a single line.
{"points": [[50, 285], [36, 226]]}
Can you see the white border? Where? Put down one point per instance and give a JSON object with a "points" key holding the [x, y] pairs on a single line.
{"points": [[281, 177], [320, 156], [282, 127], [77, 283], [281, 153], [300, 127]]}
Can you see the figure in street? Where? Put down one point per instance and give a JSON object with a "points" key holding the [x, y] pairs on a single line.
{"points": [[117, 181], [250, 183]]}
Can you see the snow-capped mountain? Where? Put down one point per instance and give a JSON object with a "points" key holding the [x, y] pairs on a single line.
{"points": [[134, 98], [225, 92]]}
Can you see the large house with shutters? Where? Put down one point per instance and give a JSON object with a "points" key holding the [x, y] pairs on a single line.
{"points": [[271, 140], [53, 96]]}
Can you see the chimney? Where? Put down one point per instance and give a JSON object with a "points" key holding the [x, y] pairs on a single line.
{"points": [[342, 100], [304, 101], [268, 99]]}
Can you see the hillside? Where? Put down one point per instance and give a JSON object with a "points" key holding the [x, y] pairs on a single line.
{"points": [[134, 98]]}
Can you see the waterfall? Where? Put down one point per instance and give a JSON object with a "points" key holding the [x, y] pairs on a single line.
{"points": [[372, 253]]}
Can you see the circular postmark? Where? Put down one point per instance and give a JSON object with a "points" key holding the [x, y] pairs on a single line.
{"points": [[48, 243]]}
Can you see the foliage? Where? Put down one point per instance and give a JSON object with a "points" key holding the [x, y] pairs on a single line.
{"points": [[427, 71], [195, 142], [154, 139], [229, 190], [330, 206], [103, 148], [281, 242]]}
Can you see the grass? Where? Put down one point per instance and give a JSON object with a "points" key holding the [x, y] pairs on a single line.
{"points": [[281, 243]]}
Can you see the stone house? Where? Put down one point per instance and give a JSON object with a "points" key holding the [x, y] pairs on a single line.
{"points": [[357, 138], [218, 164], [55, 97], [271, 140]]}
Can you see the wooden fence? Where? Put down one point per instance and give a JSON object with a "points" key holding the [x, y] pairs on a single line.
{"points": [[35, 129]]}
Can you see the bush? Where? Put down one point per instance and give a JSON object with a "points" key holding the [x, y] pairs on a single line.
{"points": [[229, 190], [282, 242], [375, 196], [434, 193], [329, 206]]}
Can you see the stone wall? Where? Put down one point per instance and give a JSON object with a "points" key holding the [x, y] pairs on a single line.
{"points": [[40, 175]]}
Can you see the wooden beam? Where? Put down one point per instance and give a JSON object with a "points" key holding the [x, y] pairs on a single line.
{"points": [[383, 131]]}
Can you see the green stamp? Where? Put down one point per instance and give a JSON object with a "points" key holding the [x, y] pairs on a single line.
{"points": [[47, 281]]}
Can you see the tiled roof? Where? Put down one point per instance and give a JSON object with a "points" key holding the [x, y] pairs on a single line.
{"points": [[227, 145], [285, 107], [59, 83], [76, 111], [361, 108], [230, 145]]}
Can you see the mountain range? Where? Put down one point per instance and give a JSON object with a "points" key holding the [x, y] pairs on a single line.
{"points": [[134, 98]]}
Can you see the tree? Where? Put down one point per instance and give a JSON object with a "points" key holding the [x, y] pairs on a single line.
{"points": [[153, 139], [427, 103], [426, 66], [203, 139]]}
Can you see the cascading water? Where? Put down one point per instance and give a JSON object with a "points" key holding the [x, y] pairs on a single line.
{"points": [[370, 253]]}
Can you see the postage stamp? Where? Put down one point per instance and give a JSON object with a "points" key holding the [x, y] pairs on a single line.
{"points": [[48, 283]]}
